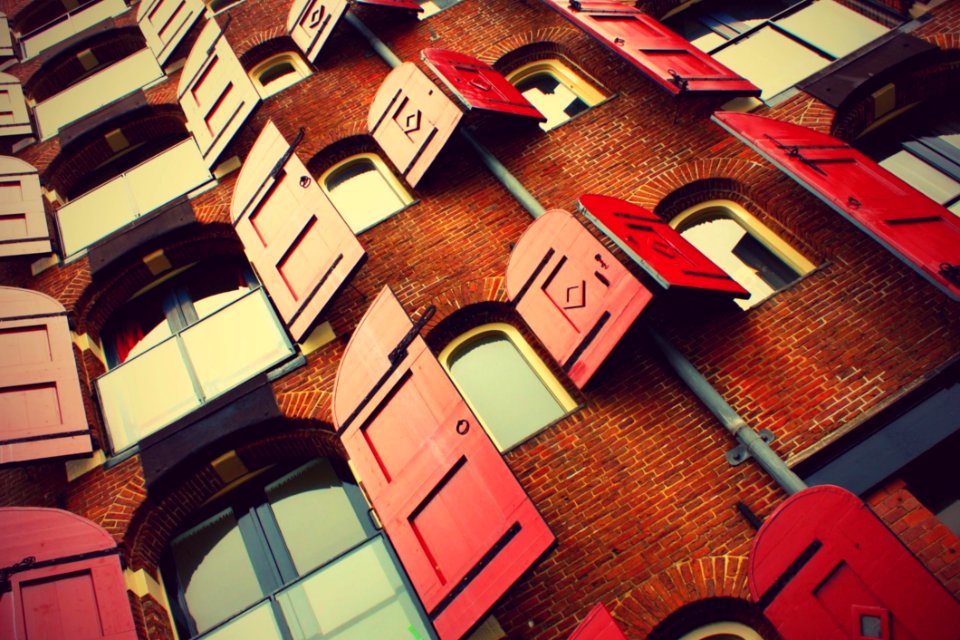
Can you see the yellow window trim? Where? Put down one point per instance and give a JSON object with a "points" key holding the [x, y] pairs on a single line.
{"points": [[722, 629], [381, 168], [300, 71], [576, 81]]}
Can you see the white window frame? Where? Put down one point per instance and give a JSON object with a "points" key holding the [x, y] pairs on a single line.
{"points": [[573, 79], [385, 174], [300, 70]]}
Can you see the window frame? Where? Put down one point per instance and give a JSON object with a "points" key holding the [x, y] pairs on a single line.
{"points": [[432, 8], [380, 166], [537, 366], [300, 70], [581, 84]]}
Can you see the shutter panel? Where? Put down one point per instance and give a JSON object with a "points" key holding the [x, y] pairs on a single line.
{"points": [[917, 230], [310, 23], [572, 293], [41, 407], [406, 5], [14, 119], [598, 625], [72, 588], [824, 566], [215, 93], [302, 249], [165, 23], [664, 56], [657, 247], [478, 85], [23, 221], [6, 37], [462, 526], [411, 120]]}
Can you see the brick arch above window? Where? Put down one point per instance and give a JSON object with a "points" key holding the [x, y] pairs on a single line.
{"points": [[350, 143], [527, 48], [655, 189]]}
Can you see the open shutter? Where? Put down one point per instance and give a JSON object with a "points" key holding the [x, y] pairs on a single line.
{"points": [[41, 408], [14, 119], [302, 249], [572, 293], [6, 37], [404, 5], [462, 526], [657, 247], [310, 23], [215, 93], [411, 119], [598, 625], [824, 566], [478, 85], [664, 56], [23, 222], [64, 578], [913, 227], [165, 23]]}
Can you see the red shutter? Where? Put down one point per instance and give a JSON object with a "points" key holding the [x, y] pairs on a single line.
{"points": [[411, 119], [916, 229], [406, 5], [65, 578], [598, 625], [657, 247], [310, 23], [215, 93], [824, 566], [41, 407], [478, 85], [23, 222], [6, 37], [463, 527], [572, 293], [14, 119], [165, 23], [302, 249], [672, 62]]}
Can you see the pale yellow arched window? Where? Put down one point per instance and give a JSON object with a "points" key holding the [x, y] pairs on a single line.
{"points": [[278, 72], [722, 631], [556, 90], [364, 191]]}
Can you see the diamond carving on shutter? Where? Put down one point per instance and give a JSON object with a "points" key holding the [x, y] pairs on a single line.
{"points": [[463, 528], [215, 93], [165, 23], [653, 244], [65, 578], [478, 85], [310, 23], [41, 407], [664, 56], [14, 118], [301, 248], [23, 221], [572, 293], [920, 232], [411, 119]]}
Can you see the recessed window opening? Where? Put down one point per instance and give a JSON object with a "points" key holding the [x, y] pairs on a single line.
{"points": [[433, 7], [932, 479], [364, 191], [744, 247], [506, 384], [278, 72], [557, 91], [722, 631]]}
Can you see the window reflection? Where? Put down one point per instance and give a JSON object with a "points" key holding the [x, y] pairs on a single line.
{"points": [[364, 191]]}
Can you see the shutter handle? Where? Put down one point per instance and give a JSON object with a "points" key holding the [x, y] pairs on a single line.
{"points": [[463, 427], [853, 202]]}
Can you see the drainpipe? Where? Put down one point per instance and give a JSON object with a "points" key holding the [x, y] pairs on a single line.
{"points": [[752, 442]]}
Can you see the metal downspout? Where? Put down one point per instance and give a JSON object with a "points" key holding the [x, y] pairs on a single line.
{"points": [[731, 420]]}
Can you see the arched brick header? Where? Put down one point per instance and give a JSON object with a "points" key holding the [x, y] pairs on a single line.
{"points": [[512, 52], [263, 50], [340, 145], [740, 174]]}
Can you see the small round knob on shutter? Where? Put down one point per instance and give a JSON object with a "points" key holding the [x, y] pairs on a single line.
{"points": [[463, 427]]}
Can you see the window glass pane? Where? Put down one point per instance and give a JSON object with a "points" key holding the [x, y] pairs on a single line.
{"points": [[832, 27], [213, 286], [314, 514], [258, 623], [557, 102], [214, 570], [167, 176], [923, 177], [358, 597], [503, 389], [771, 60], [362, 195]]}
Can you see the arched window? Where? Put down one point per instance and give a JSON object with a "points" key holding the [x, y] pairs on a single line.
{"points": [[290, 550], [278, 72], [556, 90], [722, 631], [364, 191], [505, 383], [742, 246]]}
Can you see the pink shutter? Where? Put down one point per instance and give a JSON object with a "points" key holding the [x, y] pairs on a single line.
{"points": [[14, 118], [411, 120], [405, 5], [165, 23], [916, 229], [657, 247], [668, 59], [598, 625], [310, 23], [462, 526], [302, 249], [572, 293], [478, 85], [65, 579], [23, 221], [215, 93], [41, 407], [824, 566]]}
